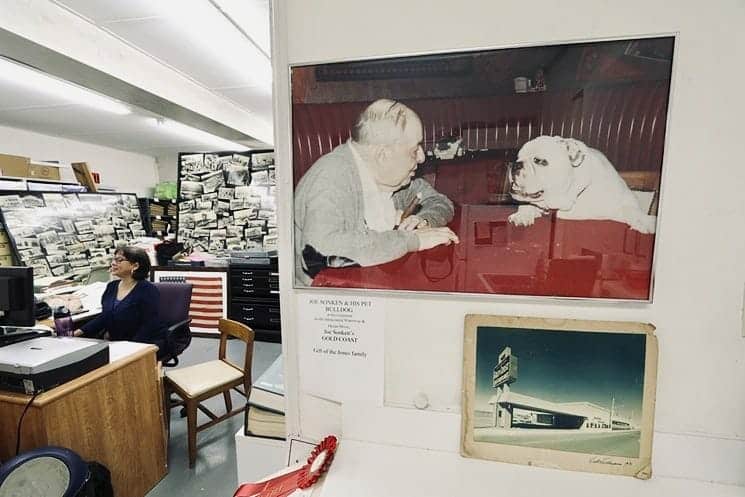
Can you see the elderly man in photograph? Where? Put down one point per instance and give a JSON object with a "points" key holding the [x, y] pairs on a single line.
{"points": [[349, 205]]}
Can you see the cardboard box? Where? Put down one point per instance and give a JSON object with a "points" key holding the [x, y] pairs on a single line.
{"points": [[5, 247], [13, 165], [40, 170]]}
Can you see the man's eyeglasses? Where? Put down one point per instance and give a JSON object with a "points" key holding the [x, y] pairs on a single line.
{"points": [[119, 260]]}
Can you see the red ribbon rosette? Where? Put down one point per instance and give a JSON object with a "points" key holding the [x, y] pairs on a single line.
{"points": [[318, 462], [285, 483]]}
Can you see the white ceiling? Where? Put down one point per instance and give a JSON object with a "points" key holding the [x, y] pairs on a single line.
{"points": [[233, 64]]}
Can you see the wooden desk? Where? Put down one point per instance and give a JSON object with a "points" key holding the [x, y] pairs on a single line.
{"points": [[113, 415]]}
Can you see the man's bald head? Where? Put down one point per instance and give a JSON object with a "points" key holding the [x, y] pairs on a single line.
{"points": [[383, 122]]}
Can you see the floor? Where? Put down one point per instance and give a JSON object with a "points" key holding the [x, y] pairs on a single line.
{"points": [[214, 473]]}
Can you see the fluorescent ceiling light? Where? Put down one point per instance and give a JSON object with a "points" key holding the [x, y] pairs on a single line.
{"points": [[200, 137], [31, 78]]}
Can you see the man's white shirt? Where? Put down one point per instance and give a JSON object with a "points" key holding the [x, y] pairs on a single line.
{"points": [[380, 211]]}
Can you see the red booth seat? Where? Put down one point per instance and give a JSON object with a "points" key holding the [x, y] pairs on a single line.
{"points": [[625, 122]]}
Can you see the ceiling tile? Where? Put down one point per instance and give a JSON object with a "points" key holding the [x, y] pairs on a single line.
{"points": [[257, 99], [253, 17]]}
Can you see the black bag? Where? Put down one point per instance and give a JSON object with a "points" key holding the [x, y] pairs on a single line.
{"points": [[41, 310], [99, 482], [165, 251]]}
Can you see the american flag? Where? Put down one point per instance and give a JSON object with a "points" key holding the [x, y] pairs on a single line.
{"points": [[207, 298]]}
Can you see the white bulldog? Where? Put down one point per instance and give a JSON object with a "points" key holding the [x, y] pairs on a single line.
{"points": [[563, 174]]}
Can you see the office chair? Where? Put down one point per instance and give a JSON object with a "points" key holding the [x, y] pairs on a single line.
{"points": [[175, 300], [57, 470], [195, 384]]}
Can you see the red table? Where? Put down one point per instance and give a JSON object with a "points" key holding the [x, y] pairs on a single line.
{"points": [[554, 257]]}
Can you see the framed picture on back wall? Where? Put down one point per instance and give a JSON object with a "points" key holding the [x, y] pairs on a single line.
{"points": [[530, 171]]}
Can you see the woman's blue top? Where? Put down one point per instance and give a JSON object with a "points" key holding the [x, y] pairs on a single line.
{"points": [[134, 318]]}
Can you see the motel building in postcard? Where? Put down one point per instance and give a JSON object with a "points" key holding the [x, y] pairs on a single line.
{"points": [[514, 410]]}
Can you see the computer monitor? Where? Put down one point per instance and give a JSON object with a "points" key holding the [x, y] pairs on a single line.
{"points": [[17, 296]]}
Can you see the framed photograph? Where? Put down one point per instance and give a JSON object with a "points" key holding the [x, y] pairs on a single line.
{"points": [[560, 393], [532, 171]]}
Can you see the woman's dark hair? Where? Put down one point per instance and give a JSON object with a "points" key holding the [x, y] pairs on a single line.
{"points": [[136, 255]]}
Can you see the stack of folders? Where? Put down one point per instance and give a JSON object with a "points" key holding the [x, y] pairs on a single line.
{"points": [[265, 416]]}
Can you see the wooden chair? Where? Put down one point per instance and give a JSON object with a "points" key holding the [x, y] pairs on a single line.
{"points": [[195, 384]]}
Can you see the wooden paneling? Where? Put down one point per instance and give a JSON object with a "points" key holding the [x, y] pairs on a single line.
{"points": [[113, 415]]}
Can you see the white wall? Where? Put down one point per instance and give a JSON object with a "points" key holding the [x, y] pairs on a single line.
{"points": [[700, 267], [125, 171], [167, 166]]}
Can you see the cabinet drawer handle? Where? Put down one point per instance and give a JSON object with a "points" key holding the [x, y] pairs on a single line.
{"points": [[247, 279], [273, 311], [274, 320], [273, 291], [247, 308], [248, 319]]}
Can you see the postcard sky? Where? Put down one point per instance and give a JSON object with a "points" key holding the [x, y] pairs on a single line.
{"points": [[566, 366]]}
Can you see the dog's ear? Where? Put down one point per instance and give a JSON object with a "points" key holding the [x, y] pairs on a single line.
{"points": [[576, 150]]}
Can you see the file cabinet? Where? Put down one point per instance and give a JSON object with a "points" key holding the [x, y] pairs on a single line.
{"points": [[254, 299]]}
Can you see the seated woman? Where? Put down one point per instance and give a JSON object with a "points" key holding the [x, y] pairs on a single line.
{"points": [[130, 303]]}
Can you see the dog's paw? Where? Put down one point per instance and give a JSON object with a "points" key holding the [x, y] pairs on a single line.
{"points": [[644, 224], [525, 215]]}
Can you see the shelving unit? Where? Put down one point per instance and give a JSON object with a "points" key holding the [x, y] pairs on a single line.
{"points": [[159, 216], [33, 184]]}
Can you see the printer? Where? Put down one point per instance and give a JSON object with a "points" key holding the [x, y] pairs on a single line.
{"points": [[39, 364]]}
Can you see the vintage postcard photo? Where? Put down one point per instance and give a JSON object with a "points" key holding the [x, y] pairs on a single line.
{"points": [[215, 194], [58, 230], [532, 171], [566, 394]]}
